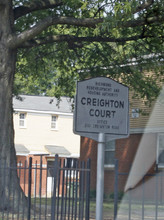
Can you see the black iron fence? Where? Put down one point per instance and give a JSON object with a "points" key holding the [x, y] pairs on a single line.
{"points": [[58, 190], [144, 201]]}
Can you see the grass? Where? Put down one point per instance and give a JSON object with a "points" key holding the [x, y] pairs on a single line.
{"points": [[108, 207]]}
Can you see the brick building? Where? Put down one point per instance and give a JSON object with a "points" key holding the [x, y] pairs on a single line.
{"points": [[43, 127], [138, 154]]}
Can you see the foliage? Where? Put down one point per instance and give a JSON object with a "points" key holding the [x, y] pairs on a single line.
{"points": [[110, 197], [126, 44], [93, 194]]}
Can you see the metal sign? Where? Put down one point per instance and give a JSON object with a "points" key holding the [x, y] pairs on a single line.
{"points": [[102, 114], [101, 106]]}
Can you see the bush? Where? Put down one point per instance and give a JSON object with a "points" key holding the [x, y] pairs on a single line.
{"points": [[111, 196], [93, 194]]}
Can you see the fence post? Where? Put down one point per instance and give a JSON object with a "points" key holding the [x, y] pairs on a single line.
{"points": [[88, 189], [116, 189], [29, 188], [63, 189], [143, 197], [156, 193], [40, 187], [81, 193], [53, 200]]}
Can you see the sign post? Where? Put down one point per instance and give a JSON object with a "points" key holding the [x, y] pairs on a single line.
{"points": [[100, 176], [102, 114]]}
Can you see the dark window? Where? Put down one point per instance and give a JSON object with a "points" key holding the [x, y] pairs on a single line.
{"points": [[109, 153]]}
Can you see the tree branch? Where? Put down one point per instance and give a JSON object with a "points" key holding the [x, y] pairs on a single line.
{"points": [[73, 40], [35, 5], [144, 21], [15, 41], [143, 6], [100, 9]]}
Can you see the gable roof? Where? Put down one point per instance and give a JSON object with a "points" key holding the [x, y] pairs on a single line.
{"points": [[43, 103], [53, 150]]}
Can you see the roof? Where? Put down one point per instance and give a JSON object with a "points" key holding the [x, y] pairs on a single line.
{"points": [[43, 103], [62, 151], [21, 149]]}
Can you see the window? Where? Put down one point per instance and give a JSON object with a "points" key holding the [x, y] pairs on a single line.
{"points": [[109, 154], [50, 165], [135, 113], [22, 120], [71, 162], [53, 122], [160, 150]]}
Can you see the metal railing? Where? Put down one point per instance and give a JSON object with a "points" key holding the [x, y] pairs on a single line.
{"points": [[144, 201], [46, 192]]}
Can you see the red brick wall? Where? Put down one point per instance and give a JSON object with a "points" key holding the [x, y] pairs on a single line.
{"points": [[22, 162], [23, 174], [125, 153], [39, 178], [88, 149]]}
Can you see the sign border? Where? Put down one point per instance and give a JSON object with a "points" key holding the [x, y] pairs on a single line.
{"points": [[86, 133]]}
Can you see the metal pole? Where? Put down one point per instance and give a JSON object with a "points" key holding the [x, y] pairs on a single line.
{"points": [[88, 189], [35, 180], [116, 190], [55, 176], [29, 188], [100, 177]]}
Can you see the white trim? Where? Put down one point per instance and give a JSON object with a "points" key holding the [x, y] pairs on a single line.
{"points": [[74, 155], [44, 112], [157, 155], [22, 154], [157, 152], [160, 167], [109, 167], [44, 153], [63, 155], [146, 130], [50, 158], [54, 129]]}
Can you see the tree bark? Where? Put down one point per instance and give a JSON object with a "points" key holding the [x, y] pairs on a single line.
{"points": [[9, 182]]}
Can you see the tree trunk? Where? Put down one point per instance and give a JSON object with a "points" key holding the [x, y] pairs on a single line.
{"points": [[9, 182]]}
